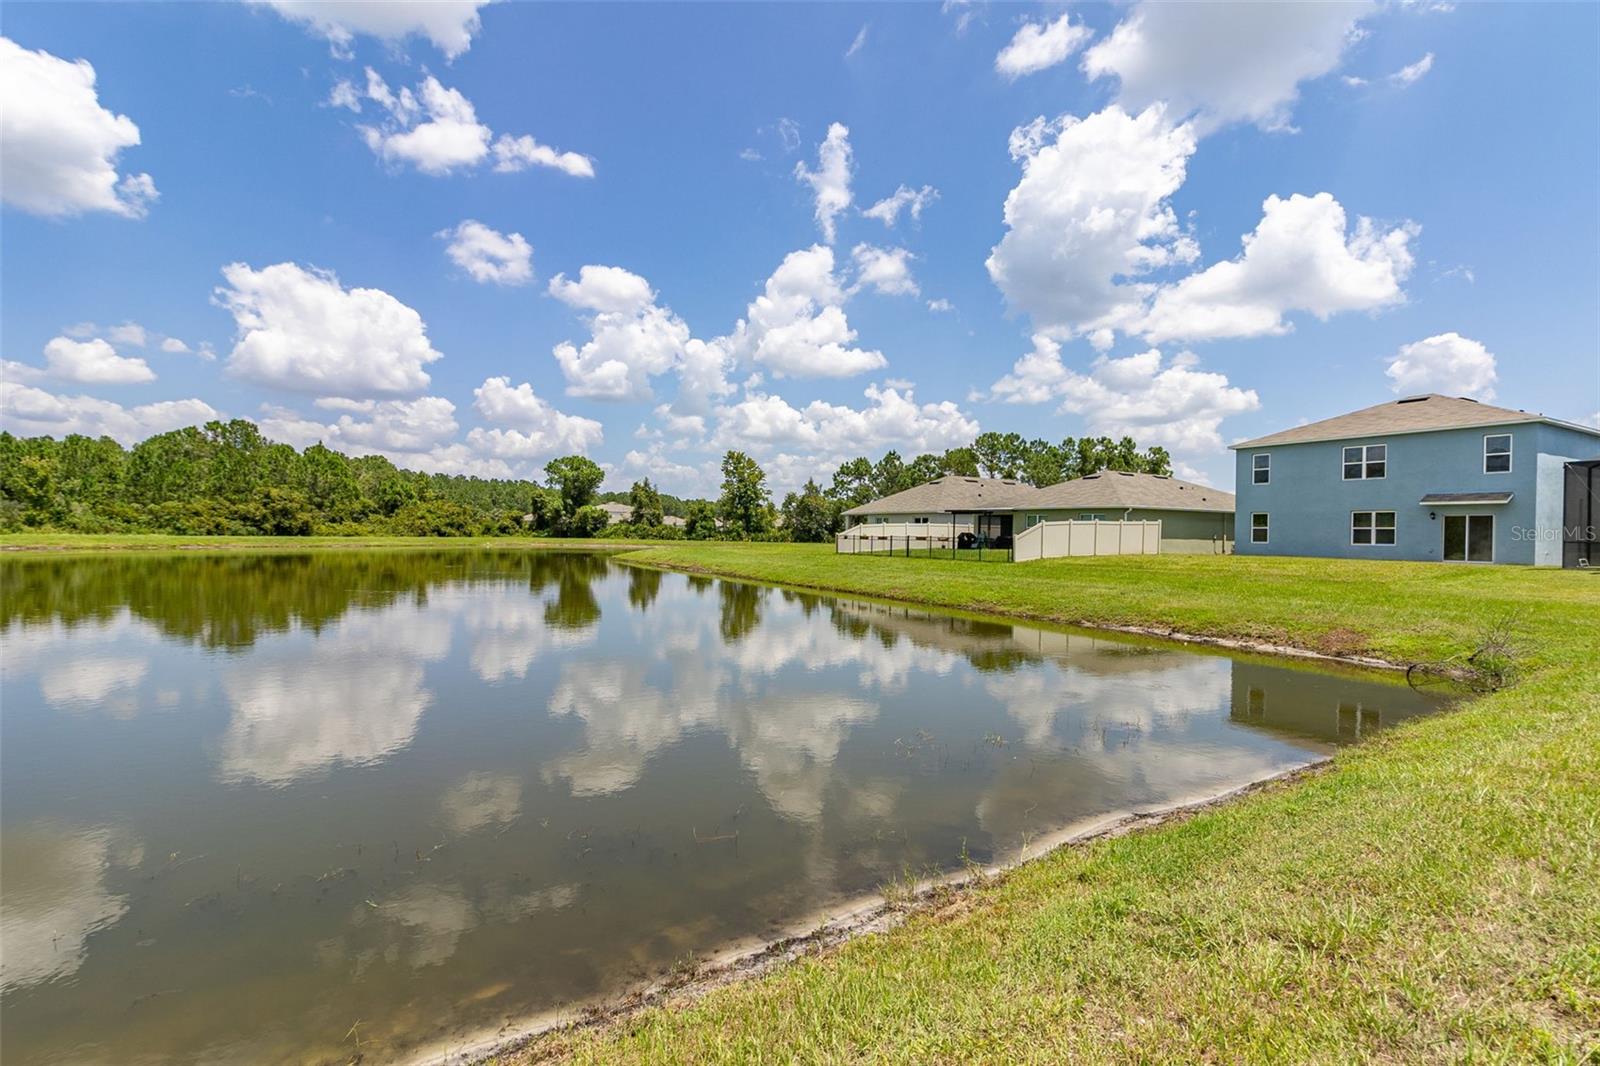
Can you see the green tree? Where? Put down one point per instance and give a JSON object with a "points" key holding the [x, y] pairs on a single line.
{"points": [[1157, 461], [745, 503], [701, 521], [852, 483], [1000, 454], [646, 504], [923, 469], [889, 475], [233, 459], [962, 462], [325, 478], [576, 478], [169, 466], [808, 515], [1043, 464]]}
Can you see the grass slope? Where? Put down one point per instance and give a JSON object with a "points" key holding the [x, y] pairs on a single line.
{"points": [[1434, 895]]}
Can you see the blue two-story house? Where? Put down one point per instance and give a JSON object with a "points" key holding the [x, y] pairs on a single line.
{"points": [[1425, 477]]}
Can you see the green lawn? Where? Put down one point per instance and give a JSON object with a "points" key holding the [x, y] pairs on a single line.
{"points": [[1434, 895]]}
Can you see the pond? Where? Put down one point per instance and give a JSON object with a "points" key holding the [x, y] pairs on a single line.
{"points": [[269, 807]]}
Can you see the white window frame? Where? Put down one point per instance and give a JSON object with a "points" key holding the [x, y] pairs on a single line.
{"points": [[1265, 529], [1365, 461], [1510, 444], [1373, 527], [1087, 516], [921, 520], [1031, 520], [1257, 468]]}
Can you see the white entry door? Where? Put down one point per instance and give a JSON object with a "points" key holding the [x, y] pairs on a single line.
{"points": [[1469, 538]]}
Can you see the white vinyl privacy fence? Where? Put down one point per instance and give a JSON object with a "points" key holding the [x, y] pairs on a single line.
{"points": [[888, 538], [1043, 540], [1055, 540]]}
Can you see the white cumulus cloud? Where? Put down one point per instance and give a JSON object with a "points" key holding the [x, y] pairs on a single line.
{"points": [[1301, 257], [489, 256], [300, 330], [449, 24], [912, 201], [1155, 401], [58, 146], [512, 154], [1447, 363], [436, 129], [830, 182], [885, 270], [1091, 212], [891, 418], [1230, 62], [535, 428], [631, 338], [30, 412], [797, 327], [1041, 45], [94, 362]]}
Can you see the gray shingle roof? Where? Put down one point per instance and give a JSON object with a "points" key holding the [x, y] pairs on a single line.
{"points": [[950, 493], [1413, 414], [1114, 489], [1109, 490]]}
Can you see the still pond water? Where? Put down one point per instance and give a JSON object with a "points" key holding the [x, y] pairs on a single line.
{"points": [[249, 801]]}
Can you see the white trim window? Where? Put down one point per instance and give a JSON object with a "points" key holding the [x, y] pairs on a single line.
{"points": [[1261, 468], [1029, 521], [1366, 462], [919, 520], [1260, 527], [1497, 453], [1087, 517], [1372, 528]]}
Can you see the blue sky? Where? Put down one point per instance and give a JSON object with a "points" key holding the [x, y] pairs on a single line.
{"points": [[369, 224]]}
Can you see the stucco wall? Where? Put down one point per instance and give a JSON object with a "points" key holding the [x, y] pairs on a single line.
{"points": [[962, 521], [1310, 503]]}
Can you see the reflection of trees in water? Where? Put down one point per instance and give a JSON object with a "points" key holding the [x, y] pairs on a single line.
{"points": [[741, 609], [987, 646], [574, 606], [230, 601], [644, 585]]}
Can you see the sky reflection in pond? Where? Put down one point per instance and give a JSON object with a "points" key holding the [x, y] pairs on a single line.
{"points": [[249, 800]]}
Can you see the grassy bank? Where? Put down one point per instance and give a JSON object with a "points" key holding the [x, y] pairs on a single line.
{"points": [[1435, 894]]}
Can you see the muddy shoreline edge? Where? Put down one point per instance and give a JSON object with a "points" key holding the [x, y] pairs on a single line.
{"points": [[831, 927]]}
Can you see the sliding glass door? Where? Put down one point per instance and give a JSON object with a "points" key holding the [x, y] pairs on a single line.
{"points": [[1469, 538]]}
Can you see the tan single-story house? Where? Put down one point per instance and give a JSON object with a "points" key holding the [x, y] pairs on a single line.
{"points": [[1194, 518]]}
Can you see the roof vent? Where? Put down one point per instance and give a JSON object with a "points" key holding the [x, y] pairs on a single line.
{"points": [[1125, 473], [1412, 399], [973, 481]]}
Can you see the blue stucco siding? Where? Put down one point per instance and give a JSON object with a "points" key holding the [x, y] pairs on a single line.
{"points": [[1310, 504]]}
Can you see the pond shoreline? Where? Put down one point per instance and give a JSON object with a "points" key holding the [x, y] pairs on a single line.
{"points": [[830, 927], [1177, 636]]}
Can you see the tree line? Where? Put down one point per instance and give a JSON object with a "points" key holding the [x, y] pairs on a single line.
{"points": [[225, 478]]}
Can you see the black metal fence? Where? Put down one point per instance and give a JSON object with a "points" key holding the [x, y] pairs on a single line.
{"points": [[966, 546]]}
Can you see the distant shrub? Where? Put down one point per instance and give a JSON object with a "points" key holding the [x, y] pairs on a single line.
{"points": [[434, 518], [629, 531], [587, 521]]}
